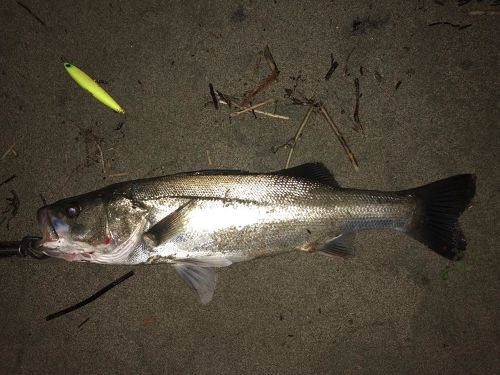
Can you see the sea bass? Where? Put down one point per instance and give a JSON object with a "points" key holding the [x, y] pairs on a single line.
{"points": [[200, 220]]}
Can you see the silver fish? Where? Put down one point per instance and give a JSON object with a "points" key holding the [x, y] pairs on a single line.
{"points": [[201, 220]]}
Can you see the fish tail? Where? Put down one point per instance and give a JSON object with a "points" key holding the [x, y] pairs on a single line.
{"points": [[439, 205]]}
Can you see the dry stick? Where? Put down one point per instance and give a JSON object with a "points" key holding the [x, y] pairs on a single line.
{"points": [[359, 127], [270, 60], [333, 66], [459, 27], [340, 137], [102, 157], [31, 13], [346, 66], [212, 94], [226, 99], [9, 150], [209, 159], [248, 109], [273, 115], [258, 57], [8, 180], [14, 207], [82, 323], [484, 13], [300, 130], [266, 82]]}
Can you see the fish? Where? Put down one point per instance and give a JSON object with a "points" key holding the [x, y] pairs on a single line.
{"points": [[90, 85], [198, 221]]}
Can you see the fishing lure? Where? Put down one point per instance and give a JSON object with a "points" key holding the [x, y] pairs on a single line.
{"points": [[91, 86]]}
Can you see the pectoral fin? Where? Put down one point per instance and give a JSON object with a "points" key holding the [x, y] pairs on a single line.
{"points": [[200, 279], [169, 226]]}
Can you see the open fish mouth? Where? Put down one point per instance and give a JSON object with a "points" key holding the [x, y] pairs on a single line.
{"points": [[49, 233], [53, 245]]}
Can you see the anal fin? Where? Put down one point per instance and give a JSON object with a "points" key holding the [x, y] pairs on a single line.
{"points": [[200, 279], [338, 246]]}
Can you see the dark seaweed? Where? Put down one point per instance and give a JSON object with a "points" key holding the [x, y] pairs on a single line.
{"points": [[91, 298]]}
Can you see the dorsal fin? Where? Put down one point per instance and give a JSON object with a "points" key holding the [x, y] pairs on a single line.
{"points": [[216, 172], [311, 171]]}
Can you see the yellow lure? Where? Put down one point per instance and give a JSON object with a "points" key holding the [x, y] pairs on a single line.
{"points": [[91, 86]]}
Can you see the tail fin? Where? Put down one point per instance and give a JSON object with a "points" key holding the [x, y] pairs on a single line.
{"points": [[440, 204]]}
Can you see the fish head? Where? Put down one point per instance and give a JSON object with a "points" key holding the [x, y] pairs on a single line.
{"points": [[98, 227], [75, 228]]}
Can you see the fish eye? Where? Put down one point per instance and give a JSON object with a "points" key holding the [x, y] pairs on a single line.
{"points": [[72, 211]]}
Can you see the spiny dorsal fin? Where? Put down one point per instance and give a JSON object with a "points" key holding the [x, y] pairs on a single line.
{"points": [[311, 171], [217, 172]]}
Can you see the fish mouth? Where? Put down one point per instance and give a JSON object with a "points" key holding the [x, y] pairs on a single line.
{"points": [[53, 245], [49, 233]]}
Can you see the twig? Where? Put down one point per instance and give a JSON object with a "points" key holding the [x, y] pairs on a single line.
{"points": [[102, 157], [266, 82], [268, 114], [288, 143], [31, 13], [225, 98], [9, 150], [91, 298], [212, 94], [14, 203], [82, 323], [333, 66], [209, 159], [13, 207], [43, 199], [346, 66], [300, 101], [460, 27], [299, 133], [474, 13], [270, 60], [258, 57], [249, 109], [340, 137], [356, 106], [6, 181]]}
